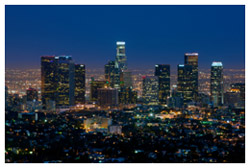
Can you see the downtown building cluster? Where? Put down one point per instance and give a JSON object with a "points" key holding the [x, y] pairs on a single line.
{"points": [[63, 81], [157, 89], [169, 119], [63, 84]]}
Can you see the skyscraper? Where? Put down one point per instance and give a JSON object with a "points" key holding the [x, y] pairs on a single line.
{"points": [[185, 82], [107, 96], [79, 83], [48, 79], [57, 76], [112, 74], [127, 96], [239, 87], [232, 99], [126, 79], [163, 73], [65, 81], [192, 59], [150, 90], [216, 84], [94, 86], [32, 94], [121, 57]]}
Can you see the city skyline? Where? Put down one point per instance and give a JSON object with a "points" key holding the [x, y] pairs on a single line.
{"points": [[151, 35], [125, 84]]}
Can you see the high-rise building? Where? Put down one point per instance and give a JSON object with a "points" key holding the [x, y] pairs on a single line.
{"points": [[65, 81], [107, 97], [57, 76], [48, 79], [216, 84], [175, 101], [185, 82], [150, 90], [127, 96], [126, 79], [239, 87], [112, 74], [163, 73], [192, 59], [79, 83], [32, 94], [232, 99], [94, 86], [121, 57]]}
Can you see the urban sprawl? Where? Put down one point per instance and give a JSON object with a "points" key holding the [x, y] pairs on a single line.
{"points": [[62, 114]]}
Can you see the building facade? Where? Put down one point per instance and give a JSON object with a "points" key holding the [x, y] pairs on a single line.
{"points": [[150, 90], [94, 86], [79, 83], [192, 59], [238, 87], [185, 82], [32, 94], [121, 57], [57, 78], [126, 79], [162, 71], [112, 74], [127, 96], [65, 76], [107, 97], [216, 84], [48, 79]]}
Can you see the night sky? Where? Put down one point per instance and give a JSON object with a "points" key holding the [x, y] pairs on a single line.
{"points": [[153, 34]]}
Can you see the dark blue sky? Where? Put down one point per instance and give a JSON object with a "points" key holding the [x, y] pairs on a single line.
{"points": [[153, 34]]}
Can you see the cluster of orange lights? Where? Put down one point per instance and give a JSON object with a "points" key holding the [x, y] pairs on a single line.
{"points": [[235, 90]]}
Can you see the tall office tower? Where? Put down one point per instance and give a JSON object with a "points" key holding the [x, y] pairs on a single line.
{"points": [[112, 75], [32, 94], [121, 58], [150, 90], [216, 84], [48, 79], [185, 82], [126, 79], [65, 81], [192, 59], [79, 83], [127, 96], [163, 73], [107, 97], [239, 87], [94, 86]]}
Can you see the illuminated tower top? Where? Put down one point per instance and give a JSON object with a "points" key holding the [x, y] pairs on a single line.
{"points": [[121, 59], [191, 59], [216, 64]]}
